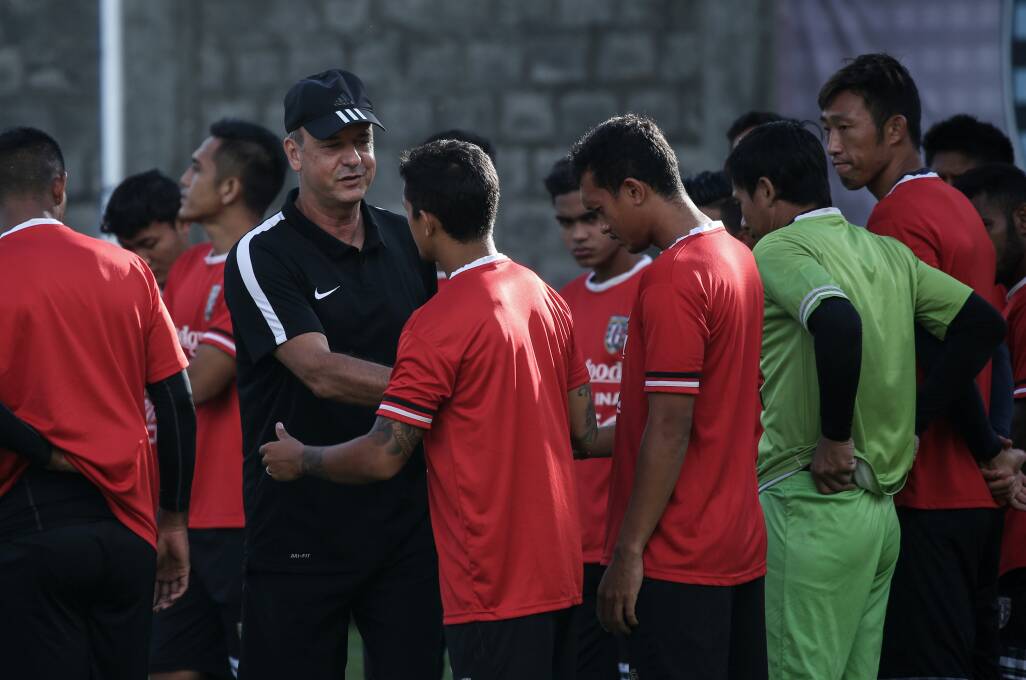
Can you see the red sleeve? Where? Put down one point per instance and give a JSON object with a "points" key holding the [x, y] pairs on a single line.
{"points": [[675, 331], [1017, 348], [164, 356], [577, 370], [907, 231], [219, 331], [422, 378]]}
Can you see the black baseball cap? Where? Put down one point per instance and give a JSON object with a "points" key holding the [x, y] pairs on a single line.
{"points": [[326, 102]]}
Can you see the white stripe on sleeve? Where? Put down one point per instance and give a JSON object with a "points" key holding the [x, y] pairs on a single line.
{"points": [[405, 413], [253, 286]]}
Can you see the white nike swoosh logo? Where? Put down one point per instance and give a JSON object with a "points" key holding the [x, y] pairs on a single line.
{"points": [[320, 296]]}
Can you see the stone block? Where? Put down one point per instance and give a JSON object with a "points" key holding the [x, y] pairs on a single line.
{"points": [[377, 61], [586, 12], [580, 110], [626, 56], [513, 166], [475, 112], [662, 105], [559, 58], [347, 16], [437, 63], [681, 56], [319, 52], [12, 71], [494, 63], [527, 116]]}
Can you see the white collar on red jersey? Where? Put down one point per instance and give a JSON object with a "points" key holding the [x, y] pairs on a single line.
{"points": [[618, 279], [700, 229], [210, 258], [1015, 289], [821, 212], [911, 176], [479, 262], [35, 222]]}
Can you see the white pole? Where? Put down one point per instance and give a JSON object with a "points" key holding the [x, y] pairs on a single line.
{"points": [[112, 103]]}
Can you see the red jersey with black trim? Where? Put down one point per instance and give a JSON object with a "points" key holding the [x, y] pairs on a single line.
{"points": [[489, 385], [600, 312], [84, 332], [696, 328], [194, 294], [1013, 545], [939, 224]]}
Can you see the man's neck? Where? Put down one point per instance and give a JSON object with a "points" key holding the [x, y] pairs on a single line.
{"points": [[343, 221], [454, 254], [621, 262], [226, 230], [904, 162], [673, 219], [789, 211], [14, 213]]}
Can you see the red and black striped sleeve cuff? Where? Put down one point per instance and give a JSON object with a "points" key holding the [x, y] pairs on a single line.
{"points": [[406, 411], [1019, 392], [673, 381], [221, 339]]}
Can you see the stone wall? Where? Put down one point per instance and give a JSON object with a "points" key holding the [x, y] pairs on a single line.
{"points": [[530, 74]]}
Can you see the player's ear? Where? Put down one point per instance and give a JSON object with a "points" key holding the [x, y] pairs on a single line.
{"points": [[764, 188], [59, 192], [636, 191], [1019, 218], [895, 129], [230, 190]]}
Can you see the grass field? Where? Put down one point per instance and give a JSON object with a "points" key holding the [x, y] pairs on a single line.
{"points": [[354, 665]]}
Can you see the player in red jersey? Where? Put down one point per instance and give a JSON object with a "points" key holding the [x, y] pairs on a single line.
{"points": [[85, 335], [234, 175], [600, 301], [998, 192], [488, 374], [686, 542], [940, 613]]}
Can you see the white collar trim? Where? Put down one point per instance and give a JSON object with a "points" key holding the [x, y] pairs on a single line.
{"points": [[813, 214], [1015, 289], [210, 258], [909, 178], [700, 229], [618, 279], [479, 262], [35, 222]]}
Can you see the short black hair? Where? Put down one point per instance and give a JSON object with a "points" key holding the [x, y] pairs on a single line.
{"points": [[139, 201], [454, 181], [627, 146], [561, 179], [750, 119], [30, 160], [789, 156], [963, 133], [465, 136], [254, 154], [712, 189], [885, 86], [1002, 183]]}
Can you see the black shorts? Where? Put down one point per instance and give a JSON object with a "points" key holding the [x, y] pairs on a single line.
{"points": [[540, 646], [1012, 588], [700, 632], [295, 625], [942, 618], [200, 632], [600, 655], [77, 603]]}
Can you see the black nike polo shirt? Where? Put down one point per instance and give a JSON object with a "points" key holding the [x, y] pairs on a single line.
{"points": [[287, 277]]}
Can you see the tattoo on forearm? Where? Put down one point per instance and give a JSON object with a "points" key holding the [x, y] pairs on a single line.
{"points": [[313, 461], [590, 434], [399, 438]]}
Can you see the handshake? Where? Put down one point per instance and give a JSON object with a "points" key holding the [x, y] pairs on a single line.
{"points": [[1004, 476]]}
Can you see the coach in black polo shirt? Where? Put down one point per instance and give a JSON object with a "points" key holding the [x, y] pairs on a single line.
{"points": [[318, 296]]}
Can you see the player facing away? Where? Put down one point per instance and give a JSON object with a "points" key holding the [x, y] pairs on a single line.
{"points": [[231, 180], [489, 376], [840, 404], [941, 621], [998, 192], [958, 144], [85, 335], [600, 302], [685, 542]]}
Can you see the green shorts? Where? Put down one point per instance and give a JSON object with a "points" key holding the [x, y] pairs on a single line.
{"points": [[829, 564]]}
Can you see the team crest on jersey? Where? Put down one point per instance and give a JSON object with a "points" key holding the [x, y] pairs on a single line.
{"points": [[616, 334], [208, 311]]}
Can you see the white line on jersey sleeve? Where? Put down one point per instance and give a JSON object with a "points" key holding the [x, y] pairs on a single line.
{"points": [[253, 286]]}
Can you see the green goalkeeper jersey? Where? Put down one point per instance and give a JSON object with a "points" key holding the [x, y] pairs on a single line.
{"points": [[819, 256]]}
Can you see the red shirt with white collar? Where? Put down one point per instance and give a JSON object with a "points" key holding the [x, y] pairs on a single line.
{"points": [[1013, 546], [600, 313], [696, 329], [489, 385], [194, 294]]}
